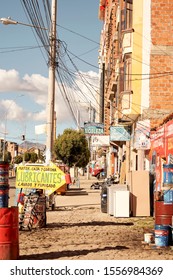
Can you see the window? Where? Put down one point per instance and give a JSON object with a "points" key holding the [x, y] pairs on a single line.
{"points": [[128, 14], [127, 72]]}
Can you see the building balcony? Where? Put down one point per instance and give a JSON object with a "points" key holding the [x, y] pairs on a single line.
{"points": [[126, 99], [111, 95], [126, 106], [127, 37]]}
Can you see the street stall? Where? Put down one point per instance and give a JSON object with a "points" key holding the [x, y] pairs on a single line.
{"points": [[36, 183]]}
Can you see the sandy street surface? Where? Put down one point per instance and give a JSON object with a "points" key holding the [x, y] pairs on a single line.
{"points": [[78, 230]]}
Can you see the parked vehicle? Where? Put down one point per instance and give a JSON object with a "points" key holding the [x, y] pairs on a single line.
{"points": [[112, 179], [97, 185], [99, 173]]}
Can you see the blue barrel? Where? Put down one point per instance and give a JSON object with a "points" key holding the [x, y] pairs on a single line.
{"points": [[163, 235], [168, 196], [4, 184], [4, 196], [4, 173], [168, 173]]}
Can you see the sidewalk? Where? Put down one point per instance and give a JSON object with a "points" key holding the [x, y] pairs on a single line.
{"points": [[79, 196], [78, 230]]}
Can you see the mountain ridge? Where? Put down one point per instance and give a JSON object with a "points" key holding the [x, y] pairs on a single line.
{"points": [[29, 145]]}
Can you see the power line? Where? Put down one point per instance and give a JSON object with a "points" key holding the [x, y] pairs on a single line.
{"points": [[19, 49], [76, 33]]}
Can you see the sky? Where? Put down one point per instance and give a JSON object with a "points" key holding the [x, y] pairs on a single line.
{"points": [[24, 68]]}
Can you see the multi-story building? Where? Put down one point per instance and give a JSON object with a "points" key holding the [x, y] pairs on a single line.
{"points": [[12, 147], [135, 59], [8, 146]]}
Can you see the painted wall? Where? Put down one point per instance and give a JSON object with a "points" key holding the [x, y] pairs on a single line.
{"points": [[137, 55]]}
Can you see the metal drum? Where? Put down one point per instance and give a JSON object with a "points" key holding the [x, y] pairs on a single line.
{"points": [[163, 213], [4, 184], [162, 235], [9, 233], [168, 173]]}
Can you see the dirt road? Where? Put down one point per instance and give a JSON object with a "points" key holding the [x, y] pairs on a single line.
{"points": [[78, 230]]}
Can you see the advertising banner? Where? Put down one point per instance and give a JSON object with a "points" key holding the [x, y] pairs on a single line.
{"points": [[158, 141], [142, 135], [120, 133], [40, 177], [100, 140], [169, 138]]}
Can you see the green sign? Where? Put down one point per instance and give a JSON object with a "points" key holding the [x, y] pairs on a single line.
{"points": [[94, 128]]}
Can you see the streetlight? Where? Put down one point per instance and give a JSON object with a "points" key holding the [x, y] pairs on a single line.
{"points": [[51, 85], [9, 20]]}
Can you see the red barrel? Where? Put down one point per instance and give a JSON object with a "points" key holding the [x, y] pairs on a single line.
{"points": [[163, 213], [15, 233], [9, 233]]}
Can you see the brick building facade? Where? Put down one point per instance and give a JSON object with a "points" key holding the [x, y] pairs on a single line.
{"points": [[136, 51]]}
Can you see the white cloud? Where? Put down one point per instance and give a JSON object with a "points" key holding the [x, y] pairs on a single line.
{"points": [[10, 110], [35, 91], [37, 87], [38, 116], [9, 80]]}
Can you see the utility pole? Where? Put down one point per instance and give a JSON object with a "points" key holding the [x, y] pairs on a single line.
{"points": [[78, 119], [90, 111], [89, 142], [5, 136], [51, 86]]}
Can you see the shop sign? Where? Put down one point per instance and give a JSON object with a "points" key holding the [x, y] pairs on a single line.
{"points": [[169, 137], [120, 133], [100, 140], [169, 129], [158, 140], [142, 135], [93, 128], [48, 178]]}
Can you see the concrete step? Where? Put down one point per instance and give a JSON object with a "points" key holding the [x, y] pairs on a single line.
{"points": [[76, 192]]}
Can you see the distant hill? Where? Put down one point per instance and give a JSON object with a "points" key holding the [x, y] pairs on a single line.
{"points": [[28, 145]]}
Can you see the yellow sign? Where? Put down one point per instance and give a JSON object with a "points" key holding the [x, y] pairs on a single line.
{"points": [[48, 178]]}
